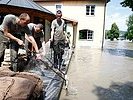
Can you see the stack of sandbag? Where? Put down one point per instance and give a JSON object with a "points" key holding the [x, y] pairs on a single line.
{"points": [[7, 57], [6, 62], [20, 85]]}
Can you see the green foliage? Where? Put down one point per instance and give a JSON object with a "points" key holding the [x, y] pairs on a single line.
{"points": [[107, 34], [129, 34], [113, 33], [127, 3]]}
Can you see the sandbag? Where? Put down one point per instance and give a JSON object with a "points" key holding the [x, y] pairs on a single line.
{"points": [[38, 89], [20, 85], [15, 88]]}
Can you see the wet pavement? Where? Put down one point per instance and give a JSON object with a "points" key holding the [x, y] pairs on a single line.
{"points": [[96, 74]]}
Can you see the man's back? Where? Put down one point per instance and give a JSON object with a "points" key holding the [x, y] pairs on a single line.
{"points": [[8, 22]]}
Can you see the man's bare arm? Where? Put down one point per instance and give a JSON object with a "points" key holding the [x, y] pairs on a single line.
{"points": [[33, 42]]}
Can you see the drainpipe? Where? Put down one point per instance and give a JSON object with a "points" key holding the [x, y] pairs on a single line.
{"points": [[104, 24], [74, 34]]}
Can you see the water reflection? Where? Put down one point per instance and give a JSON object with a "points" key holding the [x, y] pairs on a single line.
{"points": [[117, 91], [119, 48]]}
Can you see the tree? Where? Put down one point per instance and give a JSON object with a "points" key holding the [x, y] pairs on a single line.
{"points": [[127, 3], [113, 33], [107, 34], [129, 33]]}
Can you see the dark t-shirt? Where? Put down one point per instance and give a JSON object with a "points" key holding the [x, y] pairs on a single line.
{"points": [[37, 36], [34, 34]]}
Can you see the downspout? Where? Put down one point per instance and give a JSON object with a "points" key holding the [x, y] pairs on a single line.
{"points": [[8, 2], [104, 24], [74, 34]]}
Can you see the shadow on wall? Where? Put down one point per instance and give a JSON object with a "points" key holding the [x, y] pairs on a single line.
{"points": [[116, 91]]}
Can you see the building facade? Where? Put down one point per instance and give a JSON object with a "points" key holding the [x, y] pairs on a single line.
{"points": [[90, 18]]}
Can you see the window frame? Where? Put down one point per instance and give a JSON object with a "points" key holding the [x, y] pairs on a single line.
{"points": [[60, 8], [90, 10], [89, 34]]}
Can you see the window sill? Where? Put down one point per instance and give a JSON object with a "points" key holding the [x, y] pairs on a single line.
{"points": [[85, 40]]}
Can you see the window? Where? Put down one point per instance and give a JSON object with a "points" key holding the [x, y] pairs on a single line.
{"points": [[90, 9], [86, 34], [58, 7]]}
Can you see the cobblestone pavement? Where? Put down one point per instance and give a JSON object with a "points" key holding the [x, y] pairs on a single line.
{"points": [[98, 75]]}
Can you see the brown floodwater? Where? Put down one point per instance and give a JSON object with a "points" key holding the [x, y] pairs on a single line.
{"points": [[96, 74]]}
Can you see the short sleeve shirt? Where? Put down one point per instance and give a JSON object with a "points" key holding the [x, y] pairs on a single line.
{"points": [[9, 23]]}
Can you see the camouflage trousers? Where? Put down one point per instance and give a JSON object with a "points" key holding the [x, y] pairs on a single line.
{"points": [[3, 43]]}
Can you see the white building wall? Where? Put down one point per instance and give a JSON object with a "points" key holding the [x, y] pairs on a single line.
{"points": [[77, 10]]}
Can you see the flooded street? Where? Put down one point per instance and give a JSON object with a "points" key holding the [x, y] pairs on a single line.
{"points": [[96, 74]]}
